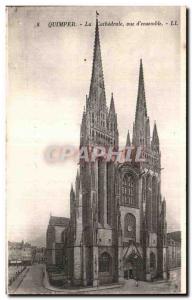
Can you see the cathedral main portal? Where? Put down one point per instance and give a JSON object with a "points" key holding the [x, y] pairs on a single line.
{"points": [[133, 267]]}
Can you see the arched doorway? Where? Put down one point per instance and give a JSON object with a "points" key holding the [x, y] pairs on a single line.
{"points": [[105, 268], [152, 264], [133, 267]]}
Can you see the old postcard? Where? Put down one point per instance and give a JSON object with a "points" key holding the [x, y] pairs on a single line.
{"points": [[96, 150]]}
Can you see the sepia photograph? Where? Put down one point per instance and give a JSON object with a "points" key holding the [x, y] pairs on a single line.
{"points": [[96, 150]]}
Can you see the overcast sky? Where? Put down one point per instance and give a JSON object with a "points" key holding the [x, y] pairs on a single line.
{"points": [[48, 78]]}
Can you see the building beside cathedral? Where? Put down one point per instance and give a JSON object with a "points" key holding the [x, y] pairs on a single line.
{"points": [[117, 228]]}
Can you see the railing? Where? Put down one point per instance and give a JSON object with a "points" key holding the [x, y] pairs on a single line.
{"points": [[14, 272]]}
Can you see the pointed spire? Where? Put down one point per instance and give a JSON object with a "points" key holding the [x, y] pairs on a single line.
{"points": [[83, 129], [77, 176], [164, 205], [133, 136], [155, 139], [155, 134], [112, 105], [87, 102], [97, 88], [83, 116], [141, 101], [77, 179], [141, 111], [148, 137], [128, 142], [72, 201], [72, 192]]}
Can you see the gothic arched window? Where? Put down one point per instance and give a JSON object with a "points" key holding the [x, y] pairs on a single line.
{"points": [[130, 226], [105, 262], [152, 261], [128, 190]]}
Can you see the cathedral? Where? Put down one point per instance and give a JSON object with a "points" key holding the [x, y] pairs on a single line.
{"points": [[117, 227]]}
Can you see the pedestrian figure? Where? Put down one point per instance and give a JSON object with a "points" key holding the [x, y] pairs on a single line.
{"points": [[176, 287], [136, 282]]}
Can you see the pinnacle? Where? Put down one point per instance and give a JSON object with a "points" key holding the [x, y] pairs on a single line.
{"points": [[155, 134], [112, 105], [128, 142]]}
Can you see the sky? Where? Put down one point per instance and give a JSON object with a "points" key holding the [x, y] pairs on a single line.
{"points": [[48, 77]]}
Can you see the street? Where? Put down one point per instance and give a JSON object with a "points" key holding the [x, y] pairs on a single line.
{"points": [[158, 287], [168, 287], [33, 284]]}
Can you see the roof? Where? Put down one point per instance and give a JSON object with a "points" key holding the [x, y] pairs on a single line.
{"points": [[58, 221], [175, 235]]}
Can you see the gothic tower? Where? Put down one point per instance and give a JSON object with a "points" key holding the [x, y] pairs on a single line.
{"points": [[117, 219], [96, 259], [99, 125], [141, 208]]}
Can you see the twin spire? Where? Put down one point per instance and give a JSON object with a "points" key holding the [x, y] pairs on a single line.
{"points": [[141, 101], [97, 92], [97, 87]]}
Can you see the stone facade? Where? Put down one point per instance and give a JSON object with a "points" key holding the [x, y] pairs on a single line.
{"points": [[174, 249], [117, 226], [55, 239]]}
